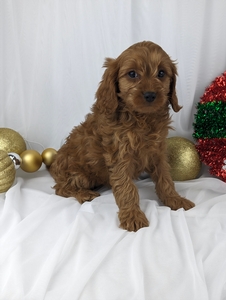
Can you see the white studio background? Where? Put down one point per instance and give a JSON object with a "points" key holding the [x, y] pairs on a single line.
{"points": [[52, 52]]}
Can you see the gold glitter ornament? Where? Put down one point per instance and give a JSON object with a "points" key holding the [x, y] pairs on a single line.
{"points": [[7, 172], [48, 156], [11, 141], [183, 159], [31, 161]]}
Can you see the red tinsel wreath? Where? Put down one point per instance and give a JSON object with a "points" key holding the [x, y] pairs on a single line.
{"points": [[210, 127]]}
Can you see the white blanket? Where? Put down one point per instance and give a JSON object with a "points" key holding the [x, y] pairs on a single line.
{"points": [[54, 248]]}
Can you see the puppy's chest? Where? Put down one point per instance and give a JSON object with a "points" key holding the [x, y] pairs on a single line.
{"points": [[138, 149], [130, 139], [141, 142]]}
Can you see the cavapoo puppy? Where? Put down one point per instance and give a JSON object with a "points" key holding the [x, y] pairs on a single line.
{"points": [[124, 135]]}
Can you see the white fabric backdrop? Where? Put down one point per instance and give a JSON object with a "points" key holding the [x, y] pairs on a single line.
{"points": [[52, 52], [52, 248]]}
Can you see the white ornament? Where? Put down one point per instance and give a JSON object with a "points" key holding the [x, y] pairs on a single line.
{"points": [[16, 159]]}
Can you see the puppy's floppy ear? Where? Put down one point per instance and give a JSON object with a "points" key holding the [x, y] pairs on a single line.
{"points": [[106, 95], [172, 94]]}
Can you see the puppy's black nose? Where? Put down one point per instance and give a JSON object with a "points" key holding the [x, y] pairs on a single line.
{"points": [[149, 96]]}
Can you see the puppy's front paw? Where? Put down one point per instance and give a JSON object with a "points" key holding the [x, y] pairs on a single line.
{"points": [[132, 219], [180, 202]]}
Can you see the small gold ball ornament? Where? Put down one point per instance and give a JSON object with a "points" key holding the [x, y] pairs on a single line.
{"points": [[7, 172], [183, 159], [11, 141], [48, 156], [31, 161]]}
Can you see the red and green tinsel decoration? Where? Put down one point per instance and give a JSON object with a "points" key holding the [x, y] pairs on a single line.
{"points": [[210, 127]]}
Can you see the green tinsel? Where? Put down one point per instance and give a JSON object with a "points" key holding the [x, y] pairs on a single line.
{"points": [[210, 120]]}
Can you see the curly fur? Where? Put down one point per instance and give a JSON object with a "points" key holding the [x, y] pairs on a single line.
{"points": [[124, 135]]}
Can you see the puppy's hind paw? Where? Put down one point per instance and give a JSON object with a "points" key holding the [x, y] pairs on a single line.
{"points": [[86, 195], [132, 219]]}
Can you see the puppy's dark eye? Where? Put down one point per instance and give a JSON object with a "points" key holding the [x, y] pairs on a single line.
{"points": [[133, 74], [161, 74]]}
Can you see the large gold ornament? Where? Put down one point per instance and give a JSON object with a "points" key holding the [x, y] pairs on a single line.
{"points": [[31, 161], [11, 141], [48, 156], [7, 171], [183, 159], [13, 155]]}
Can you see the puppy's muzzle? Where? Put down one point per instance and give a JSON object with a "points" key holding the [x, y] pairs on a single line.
{"points": [[149, 96]]}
